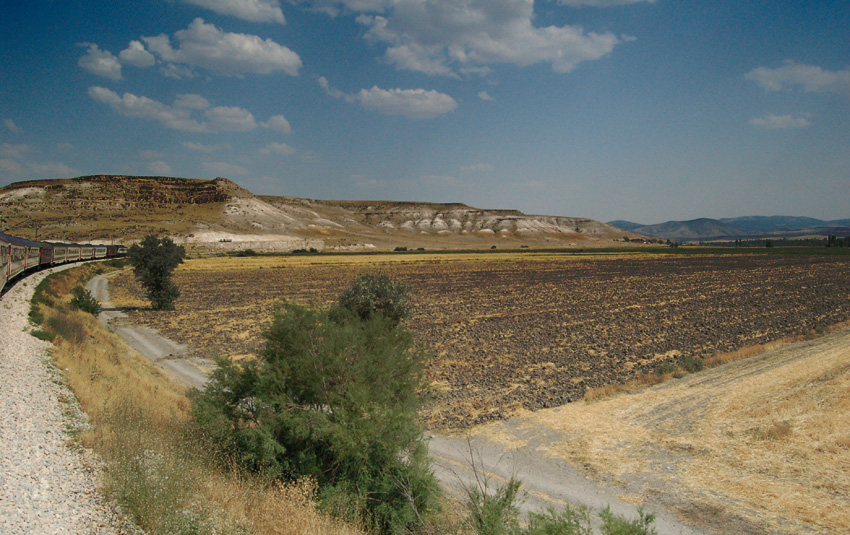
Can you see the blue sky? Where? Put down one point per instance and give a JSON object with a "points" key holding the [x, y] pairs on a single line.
{"points": [[608, 109]]}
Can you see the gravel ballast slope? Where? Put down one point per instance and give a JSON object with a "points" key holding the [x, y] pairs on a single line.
{"points": [[45, 487]]}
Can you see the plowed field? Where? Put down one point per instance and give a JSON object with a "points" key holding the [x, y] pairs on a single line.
{"points": [[530, 331]]}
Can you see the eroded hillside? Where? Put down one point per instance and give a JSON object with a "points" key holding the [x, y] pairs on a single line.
{"points": [[219, 214]]}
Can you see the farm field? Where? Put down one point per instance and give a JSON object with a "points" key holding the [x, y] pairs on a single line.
{"points": [[522, 331]]}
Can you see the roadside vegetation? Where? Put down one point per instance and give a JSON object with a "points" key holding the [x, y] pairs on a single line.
{"points": [[153, 261], [273, 447]]}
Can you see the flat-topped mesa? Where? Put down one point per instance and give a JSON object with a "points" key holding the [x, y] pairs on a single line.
{"points": [[127, 191]]}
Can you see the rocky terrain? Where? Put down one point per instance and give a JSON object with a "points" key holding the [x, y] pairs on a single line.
{"points": [[218, 214]]}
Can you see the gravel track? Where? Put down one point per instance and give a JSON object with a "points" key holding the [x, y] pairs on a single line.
{"points": [[46, 486]]}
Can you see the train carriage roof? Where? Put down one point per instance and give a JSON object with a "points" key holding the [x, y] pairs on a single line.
{"points": [[14, 240]]}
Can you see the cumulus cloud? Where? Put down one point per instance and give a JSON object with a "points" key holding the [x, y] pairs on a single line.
{"points": [[136, 55], [224, 169], [410, 103], [251, 10], [160, 168], [279, 123], [174, 117], [809, 78], [202, 45], [231, 119], [446, 37], [100, 62], [484, 95], [11, 126], [281, 149], [780, 122], [184, 114]]}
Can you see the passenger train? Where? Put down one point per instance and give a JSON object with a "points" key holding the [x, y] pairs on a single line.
{"points": [[18, 255]]}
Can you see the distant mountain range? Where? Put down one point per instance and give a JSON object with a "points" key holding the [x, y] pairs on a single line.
{"points": [[734, 228]]}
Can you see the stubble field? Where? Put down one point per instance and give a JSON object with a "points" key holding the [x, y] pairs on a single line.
{"points": [[522, 331]]}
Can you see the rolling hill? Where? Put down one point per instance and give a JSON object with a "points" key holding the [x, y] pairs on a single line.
{"points": [[748, 227], [219, 214]]}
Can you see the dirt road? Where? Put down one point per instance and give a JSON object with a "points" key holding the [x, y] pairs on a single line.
{"points": [[174, 359]]}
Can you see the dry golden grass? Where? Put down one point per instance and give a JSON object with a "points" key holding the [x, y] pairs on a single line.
{"points": [[152, 464], [764, 438]]}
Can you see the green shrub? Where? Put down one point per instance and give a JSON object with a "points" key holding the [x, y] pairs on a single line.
{"points": [[85, 301], [376, 294], [617, 525], [664, 368], [332, 397], [570, 521], [494, 513], [41, 334], [246, 252], [691, 364]]}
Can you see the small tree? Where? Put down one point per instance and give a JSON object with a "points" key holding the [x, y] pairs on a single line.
{"points": [[85, 301], [376, 294], [334, 396], [153, 262]]}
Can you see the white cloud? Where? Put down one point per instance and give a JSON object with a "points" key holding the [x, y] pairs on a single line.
{"points": [[136, 55], [281, 149], [251, 10], [202, 45], [448, 36], [810, 78], [224, 169], [179, 116], [477, 168], [176, 72], [190, 101], [777, 122], [278, 122], [231, 119], [410, 103], [100, 62], [200, 147], [11, 126], [160, 168], [601, 3], [173, 117], [14, 151], [484, 95]]}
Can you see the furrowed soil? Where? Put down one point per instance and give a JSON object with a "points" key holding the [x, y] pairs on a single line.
{"points": [[514, 332]]}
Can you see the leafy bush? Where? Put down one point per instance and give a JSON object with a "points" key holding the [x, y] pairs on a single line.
{"points": [[616, 525], [153, 262], [41, 334], [494, 514], [245, 252], [691, 364], [567, 522], [333, 397], [376, 294], [85, 301], [665, 368]]}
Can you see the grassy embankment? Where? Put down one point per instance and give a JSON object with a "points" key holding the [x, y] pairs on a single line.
{"points": [[154, 467]]}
